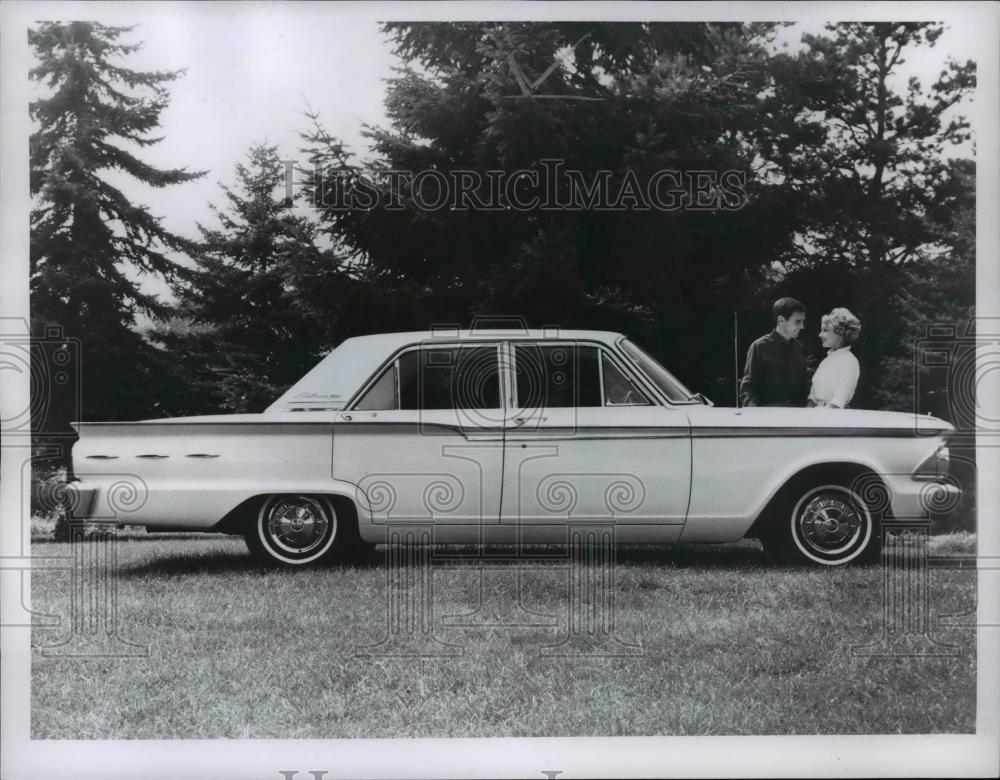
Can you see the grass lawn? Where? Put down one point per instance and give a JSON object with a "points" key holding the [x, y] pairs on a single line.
{"points": [[707, 640]]}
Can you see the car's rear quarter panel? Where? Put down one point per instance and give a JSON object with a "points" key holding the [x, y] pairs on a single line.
{"points": [[200, 470]]}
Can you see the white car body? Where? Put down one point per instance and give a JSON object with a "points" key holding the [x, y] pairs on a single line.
{"points": [[664, 471]]}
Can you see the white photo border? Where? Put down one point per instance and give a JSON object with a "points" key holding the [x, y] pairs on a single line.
{"points": [[784, 756]]}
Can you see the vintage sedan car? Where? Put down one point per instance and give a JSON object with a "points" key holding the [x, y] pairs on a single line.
{"points": [[514, 437]]}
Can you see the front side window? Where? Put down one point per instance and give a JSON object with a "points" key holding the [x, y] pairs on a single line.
{"points": [[438, 378], [619, 390], [663, 379], [555, 376]]}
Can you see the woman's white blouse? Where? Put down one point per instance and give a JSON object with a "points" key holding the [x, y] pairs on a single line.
{"points": [[835, 379]]}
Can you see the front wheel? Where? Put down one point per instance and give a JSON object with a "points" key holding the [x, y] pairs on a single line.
{"points": [[830, 525], [293, 531]]}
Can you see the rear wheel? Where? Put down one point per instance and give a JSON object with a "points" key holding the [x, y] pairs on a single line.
{"points": [[293, 531], [827, 524]]}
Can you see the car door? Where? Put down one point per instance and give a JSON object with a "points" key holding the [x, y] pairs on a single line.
{"points": [[424, 442], [585, 444]]}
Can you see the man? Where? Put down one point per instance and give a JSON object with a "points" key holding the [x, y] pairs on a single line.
{"points": [[776, 373]]}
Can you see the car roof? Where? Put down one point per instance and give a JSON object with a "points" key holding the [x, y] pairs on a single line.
{"points": [[445, 334], [338, 376]]}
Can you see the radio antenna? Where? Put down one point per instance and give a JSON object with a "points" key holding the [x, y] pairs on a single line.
{"points": [[736, 356]]}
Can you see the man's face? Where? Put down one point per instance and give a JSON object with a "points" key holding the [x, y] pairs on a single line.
{"points": [[791, 327]]}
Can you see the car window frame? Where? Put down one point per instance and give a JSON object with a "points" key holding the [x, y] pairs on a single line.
{"points": [[392, 364], [602, 351], [604, 354], [667, 401], [505, 351], [394, 368]]}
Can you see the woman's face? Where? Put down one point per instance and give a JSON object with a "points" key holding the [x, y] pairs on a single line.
{"points": [[829, 339]]}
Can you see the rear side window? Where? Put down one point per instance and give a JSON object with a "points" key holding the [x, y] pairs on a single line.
{"points": [[438, 378], [557, 375], [382, 394]]}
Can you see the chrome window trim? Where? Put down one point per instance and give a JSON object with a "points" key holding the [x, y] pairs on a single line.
{"points": [[600, 378], [393, 362], [602, 349], [609, 355], [396, 391], [638, 370], [507, 368], [507, 372]]}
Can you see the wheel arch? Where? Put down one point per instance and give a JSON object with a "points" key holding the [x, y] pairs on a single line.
{"points": [[242, 516], [856, 474]]}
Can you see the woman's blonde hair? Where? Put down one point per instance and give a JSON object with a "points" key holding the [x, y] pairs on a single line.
{"points": [[843, 323]]}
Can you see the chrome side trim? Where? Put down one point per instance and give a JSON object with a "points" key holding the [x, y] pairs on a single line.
{"points": [[828, 432], [227, 423], [527, 433], [535, 430]]}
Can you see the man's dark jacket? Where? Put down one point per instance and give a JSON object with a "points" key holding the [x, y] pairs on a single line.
{"points": [[775, 373]]}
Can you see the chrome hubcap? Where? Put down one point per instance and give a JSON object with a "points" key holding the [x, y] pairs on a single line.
{"points": [[830, 524], [297, 525]]}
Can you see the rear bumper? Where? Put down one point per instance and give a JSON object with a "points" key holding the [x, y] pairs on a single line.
{"points": [[80, 501]]}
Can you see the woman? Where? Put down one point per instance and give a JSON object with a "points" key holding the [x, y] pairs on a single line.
{"points": [[836, 377]]}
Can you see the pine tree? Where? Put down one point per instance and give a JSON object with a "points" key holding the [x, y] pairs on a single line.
{"points": [[940, 290], [88, 240], [617, 100], [870, 186], [248, 330]]}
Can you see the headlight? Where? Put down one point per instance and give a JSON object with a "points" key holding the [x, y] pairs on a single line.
{"points": [[935, 466]]}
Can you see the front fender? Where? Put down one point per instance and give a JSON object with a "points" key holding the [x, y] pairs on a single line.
{"points": [[733, 480]]}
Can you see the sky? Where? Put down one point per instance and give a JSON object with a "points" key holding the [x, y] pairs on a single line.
{"points": [[250, 74], [253, 69]]}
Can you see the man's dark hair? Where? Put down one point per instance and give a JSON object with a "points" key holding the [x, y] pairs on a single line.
{"points": [[786, 307]]}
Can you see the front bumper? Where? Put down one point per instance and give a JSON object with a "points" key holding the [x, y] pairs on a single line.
{"points": [[922, 500]]}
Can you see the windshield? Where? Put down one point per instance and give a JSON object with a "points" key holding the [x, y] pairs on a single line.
{"points": [[663, 379]]}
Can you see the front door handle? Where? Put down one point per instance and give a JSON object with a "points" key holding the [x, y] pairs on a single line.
{"points": [[523, 420]]}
